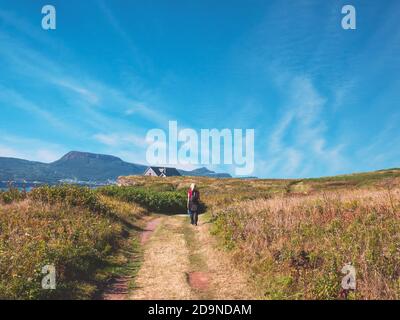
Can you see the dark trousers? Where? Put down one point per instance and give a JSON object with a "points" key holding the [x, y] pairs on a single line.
{"points": [[194, 217]]}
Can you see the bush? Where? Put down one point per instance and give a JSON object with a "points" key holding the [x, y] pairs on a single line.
{"points": [[70, 227], [74, 239], [11, 195], [69, 195], [170, 202]]}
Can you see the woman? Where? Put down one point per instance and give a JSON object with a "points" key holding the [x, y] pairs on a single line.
{"points": [[193, 203]]}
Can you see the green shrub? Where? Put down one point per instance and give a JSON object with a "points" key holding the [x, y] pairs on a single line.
{"points": [[76, 240], [162, 202], [69, 195], [73, 228], [11, 195]]}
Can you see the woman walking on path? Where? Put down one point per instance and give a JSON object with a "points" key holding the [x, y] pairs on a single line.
{"points": [[193, 203]]}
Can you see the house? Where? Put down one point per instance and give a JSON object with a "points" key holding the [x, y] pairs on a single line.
{"points": [[161, 172]]}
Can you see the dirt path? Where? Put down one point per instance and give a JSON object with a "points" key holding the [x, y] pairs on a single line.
{"points": [[182, 262], [119, 288], [226, 281]]}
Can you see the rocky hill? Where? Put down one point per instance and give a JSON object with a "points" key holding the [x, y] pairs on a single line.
{"points": [[79, 167]]}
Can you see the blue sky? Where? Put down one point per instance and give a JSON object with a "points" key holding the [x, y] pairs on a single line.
{"points": [[322, 100]]}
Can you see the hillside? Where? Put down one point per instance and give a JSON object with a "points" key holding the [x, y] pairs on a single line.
{"points": [[204, 172], [253, 188], [290, 237], [257, 239], [78, 166]]}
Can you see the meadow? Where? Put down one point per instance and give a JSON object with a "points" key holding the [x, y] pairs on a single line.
{"points": [[294, 236], [73, 228], [291, 236]]}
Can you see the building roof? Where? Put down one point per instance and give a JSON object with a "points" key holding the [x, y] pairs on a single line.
{"points": [[168, 172]]}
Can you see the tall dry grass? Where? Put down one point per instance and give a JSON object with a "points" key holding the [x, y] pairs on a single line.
{"points": [[72, 228], [296, 246]]}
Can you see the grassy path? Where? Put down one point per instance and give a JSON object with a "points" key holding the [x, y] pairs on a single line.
{"points": [[182, 262]]}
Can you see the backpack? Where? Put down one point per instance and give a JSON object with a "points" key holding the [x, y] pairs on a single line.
{"points": [[194, 201], [195, 196]]}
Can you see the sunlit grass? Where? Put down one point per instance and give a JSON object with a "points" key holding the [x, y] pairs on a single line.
{"points": [[296, 246], [74, 229]]}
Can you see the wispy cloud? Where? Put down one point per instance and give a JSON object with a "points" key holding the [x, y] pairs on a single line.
{"points": [[80, 103], [137, 58], [80, 86], [120, 139], [6, 151], [27, 148], [298, 145], [13, 98], [85, 93]]}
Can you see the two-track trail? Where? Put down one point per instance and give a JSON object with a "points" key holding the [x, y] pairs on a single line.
{"points": [[181, 261]]}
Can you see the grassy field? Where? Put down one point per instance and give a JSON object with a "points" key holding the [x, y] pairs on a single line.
{"points": [[80, 232], [292, 236]]}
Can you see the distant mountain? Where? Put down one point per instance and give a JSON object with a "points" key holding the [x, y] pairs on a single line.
{"points": [[78, 166], [18, 169], [86, 166], [204, 172]]}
